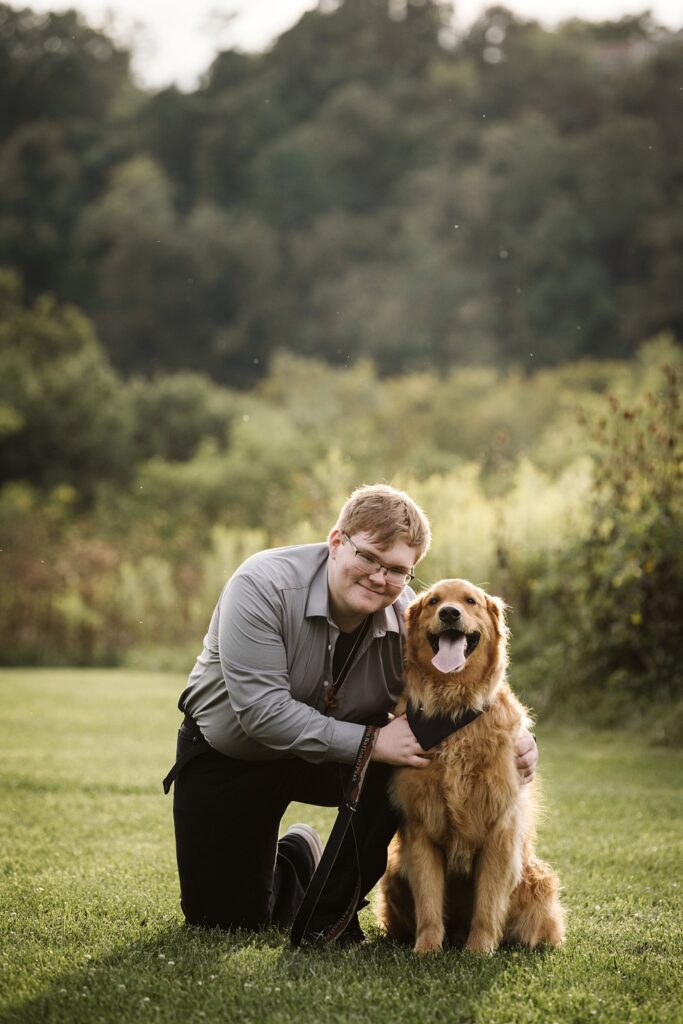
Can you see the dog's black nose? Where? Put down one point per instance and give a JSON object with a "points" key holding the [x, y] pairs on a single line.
{"points": [[449, 614]]}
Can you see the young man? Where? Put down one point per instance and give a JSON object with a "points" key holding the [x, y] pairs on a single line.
{"points": [[302, 655]]}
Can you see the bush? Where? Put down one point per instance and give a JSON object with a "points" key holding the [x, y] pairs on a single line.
{"points": [[609, 643], [62, 412]]}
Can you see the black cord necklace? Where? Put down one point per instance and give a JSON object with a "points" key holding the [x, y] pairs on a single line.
{"points": [[333, 690]]}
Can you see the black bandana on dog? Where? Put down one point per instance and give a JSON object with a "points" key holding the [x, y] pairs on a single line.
{"points": [[429, 730]]}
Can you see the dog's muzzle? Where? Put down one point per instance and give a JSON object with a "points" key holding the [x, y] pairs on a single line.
{"points": [[451, 644]]}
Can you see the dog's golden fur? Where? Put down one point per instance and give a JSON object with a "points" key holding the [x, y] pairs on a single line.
{"points": [[462, 866]]}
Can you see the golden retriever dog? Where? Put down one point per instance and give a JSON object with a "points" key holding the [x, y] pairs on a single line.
{"points": [[462, 865]]}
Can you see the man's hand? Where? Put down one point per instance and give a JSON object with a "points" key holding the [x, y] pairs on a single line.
{"points": [[527, 757], [396, 744]]}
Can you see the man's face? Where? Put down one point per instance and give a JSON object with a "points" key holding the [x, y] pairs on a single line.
{"points": [[355, 592]]}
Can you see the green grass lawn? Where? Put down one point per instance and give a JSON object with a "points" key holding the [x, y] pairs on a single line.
{"points": [[90, 928]]}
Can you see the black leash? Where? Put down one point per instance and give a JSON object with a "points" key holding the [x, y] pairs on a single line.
{"points": [[199, 746], [331, 851]]}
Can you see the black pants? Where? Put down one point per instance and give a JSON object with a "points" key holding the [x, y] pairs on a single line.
{"points": [[227, 813]]}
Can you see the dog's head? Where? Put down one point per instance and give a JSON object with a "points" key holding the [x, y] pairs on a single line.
{"points": [[456, 642]]}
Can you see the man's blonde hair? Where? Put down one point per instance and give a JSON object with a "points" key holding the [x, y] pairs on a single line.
{"points": [[387, 515]]}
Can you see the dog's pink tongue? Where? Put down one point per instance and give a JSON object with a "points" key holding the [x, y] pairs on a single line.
{"points": [[451, 654]]}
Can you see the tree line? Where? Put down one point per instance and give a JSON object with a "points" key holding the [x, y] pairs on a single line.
{"points": [[368, 186], [127, 502]]}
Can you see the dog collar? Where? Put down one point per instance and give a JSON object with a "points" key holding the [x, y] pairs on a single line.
{"points": [[431, 729]]}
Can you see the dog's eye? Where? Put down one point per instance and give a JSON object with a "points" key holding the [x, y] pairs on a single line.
{"points": [[470, 600], [433, 600]]}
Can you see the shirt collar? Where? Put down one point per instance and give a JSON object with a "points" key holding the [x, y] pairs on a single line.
{"points": [[318, 601], [385, 621], [318, 604]]}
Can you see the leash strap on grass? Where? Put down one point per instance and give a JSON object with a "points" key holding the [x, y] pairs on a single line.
{"points": [[331, 851]]}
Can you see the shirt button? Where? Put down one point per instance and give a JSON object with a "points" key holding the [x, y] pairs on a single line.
{"points": [[326, 683]]}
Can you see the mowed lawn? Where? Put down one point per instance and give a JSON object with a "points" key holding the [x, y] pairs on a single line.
{"points": [[90, 928]]}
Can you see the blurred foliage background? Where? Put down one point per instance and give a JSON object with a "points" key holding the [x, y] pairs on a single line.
{"points": [[374, 252]]}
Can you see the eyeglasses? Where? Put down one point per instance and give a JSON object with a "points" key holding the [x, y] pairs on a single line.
{"points": [[394, 577]]}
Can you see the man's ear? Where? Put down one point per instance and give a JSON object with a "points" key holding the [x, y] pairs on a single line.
{"points": [[334, 540]]}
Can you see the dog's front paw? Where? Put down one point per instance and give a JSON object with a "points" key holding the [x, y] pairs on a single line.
{"points": [[429, 940], [479, 942]]}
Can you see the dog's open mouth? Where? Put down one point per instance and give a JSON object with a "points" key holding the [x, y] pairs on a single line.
{"points": [[452, 648]]}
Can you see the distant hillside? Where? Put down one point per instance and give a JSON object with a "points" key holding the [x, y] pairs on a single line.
{"points": [[367, 187]]}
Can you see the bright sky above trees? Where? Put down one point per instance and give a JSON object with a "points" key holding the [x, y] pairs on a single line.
{"points": [[176, 42]]}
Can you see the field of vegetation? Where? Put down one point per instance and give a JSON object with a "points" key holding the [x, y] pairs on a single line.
{"points": [[91, 929], [130, 503]]}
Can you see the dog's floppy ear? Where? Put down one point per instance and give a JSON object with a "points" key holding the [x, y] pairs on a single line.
{"points": [[496, 606], [414, 608]]}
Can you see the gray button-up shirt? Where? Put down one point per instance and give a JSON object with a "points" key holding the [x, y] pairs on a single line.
{"points": [[257, 690]]}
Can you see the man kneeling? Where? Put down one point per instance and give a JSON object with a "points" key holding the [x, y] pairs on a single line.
{"points": [[302, 656]]}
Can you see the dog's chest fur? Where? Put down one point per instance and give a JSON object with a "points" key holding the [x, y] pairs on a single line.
{"points": [[471, 786]]}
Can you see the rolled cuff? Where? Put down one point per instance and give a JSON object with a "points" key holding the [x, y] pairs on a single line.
{"points": [[345, 740]]}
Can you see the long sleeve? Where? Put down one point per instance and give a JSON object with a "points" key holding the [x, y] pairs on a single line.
{"points": [[255, 668]]}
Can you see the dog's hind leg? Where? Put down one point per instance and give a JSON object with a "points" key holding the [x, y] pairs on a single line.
{"points": [[394, 905], [424, 868], [536, 914]]}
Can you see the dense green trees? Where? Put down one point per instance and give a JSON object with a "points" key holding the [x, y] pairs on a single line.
{"points": [[53, 67], [61, 401], [366, 187], [66, 94]]}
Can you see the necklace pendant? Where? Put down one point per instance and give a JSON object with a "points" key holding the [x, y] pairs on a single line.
{"points": [[330, 699]]}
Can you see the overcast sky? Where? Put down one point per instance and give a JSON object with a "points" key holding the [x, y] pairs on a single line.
{"points": [[175, 40]]}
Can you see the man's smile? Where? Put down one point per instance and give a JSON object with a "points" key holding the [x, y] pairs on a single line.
{"points": [[377, 593]]}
